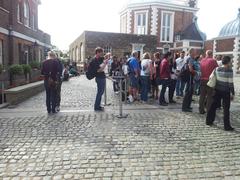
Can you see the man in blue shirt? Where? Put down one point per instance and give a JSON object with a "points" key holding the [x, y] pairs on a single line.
{"points": [[134, 74]]}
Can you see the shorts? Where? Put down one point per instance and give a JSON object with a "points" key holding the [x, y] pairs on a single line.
{"points": [[134, 82]]}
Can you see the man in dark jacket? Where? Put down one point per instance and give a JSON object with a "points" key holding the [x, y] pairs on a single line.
{"points": [[99, 65], [50, 71]]}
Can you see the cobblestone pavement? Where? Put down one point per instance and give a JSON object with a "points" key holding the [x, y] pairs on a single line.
{"points": [[77, 143]]}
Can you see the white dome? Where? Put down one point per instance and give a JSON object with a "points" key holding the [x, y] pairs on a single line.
{"points": [[232, 28]]}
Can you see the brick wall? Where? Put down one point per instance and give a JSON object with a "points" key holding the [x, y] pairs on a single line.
{"points": [[225, 45], [208, 45]]}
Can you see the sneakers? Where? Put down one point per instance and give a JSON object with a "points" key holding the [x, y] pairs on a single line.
{"points": [[163, 104], [172, 102], [99, 109], [229, 129], [187, 110]]}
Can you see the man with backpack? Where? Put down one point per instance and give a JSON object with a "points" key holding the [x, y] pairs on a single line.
{"points": [[96, 69], [189, 72]]}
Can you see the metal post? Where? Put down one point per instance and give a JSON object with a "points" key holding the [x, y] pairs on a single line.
{"points": [[105, 95], [120, 101], [125, 90], [2, 92]]}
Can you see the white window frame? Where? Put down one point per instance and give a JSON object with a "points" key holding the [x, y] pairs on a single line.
{"points": [[171, 27], [19, 12], [107, 49], [1, 51], [33, 22], [141, 30], [26, 9], [123, 23]]}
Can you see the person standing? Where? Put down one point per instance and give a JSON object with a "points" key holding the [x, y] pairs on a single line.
{"points": [[146, 71], [134, 74], [180, 84], [99, 64], [224, 90], [187, 100], [50, 70], [207, 65], [165, 75]]}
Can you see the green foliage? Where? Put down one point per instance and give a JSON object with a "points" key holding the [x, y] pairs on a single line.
{"points": [[35, 65], [16, 69], [26, 68], [1, 68]]}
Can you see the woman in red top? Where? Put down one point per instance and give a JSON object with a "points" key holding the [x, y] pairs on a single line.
{"points": [[165, 75]]}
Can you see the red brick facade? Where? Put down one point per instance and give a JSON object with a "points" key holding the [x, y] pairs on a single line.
{"points": [[225, 45], [21, 42]]}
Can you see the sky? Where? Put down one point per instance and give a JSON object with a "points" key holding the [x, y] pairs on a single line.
{"points": [[66, 20]]}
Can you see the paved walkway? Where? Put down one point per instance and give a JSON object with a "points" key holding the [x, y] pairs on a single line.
{"points": [[78, 143]]}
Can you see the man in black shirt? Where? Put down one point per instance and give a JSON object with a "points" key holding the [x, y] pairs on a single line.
{"points": [[99, 65]]}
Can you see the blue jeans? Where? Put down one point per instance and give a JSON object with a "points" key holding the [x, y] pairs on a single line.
{"points": [[51, 94], [180, 87], [101, 82], [145, 82]]}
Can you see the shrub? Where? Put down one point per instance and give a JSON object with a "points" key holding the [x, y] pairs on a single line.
{"points": [[16, 69], [26, 68], [1, 68], [35, 65]]}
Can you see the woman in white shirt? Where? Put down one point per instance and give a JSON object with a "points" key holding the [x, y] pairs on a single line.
{"points": [[145, 74]]}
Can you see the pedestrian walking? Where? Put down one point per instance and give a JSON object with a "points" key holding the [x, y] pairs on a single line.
{"points": [[50, 70], [224, 90]]}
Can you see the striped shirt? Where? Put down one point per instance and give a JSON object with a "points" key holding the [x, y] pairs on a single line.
{"points": [[224, 77]]}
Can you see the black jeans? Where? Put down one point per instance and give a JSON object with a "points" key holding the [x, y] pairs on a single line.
{"points": [[58, 91], [187, 100], [220, 95], [165, 83], [50, 97], [172, 87], [206, 96]]}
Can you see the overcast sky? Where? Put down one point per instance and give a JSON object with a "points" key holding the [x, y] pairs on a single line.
{"points": [[66, 20]]}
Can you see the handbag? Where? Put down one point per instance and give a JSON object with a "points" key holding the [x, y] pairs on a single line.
{"points": [[212, 79]]}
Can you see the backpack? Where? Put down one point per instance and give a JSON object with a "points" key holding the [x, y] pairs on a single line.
{"points": [[185, 73], [91, 71]]}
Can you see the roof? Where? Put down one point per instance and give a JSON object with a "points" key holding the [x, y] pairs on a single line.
{"points": [[192, 32], [232, 28], [176, 2]]}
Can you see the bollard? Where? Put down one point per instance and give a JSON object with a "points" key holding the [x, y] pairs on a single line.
{"points": [[105, 95], [125, 90], [2, 92], [120, 100]]}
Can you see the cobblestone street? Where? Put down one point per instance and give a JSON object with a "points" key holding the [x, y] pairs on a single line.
{"points": [[78, 143]]}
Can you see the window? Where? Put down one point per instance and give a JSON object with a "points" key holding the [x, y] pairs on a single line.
{"points": [[33, 22], [1, 3], [1, 51], [26, 14], [19, 12], [124, 24], [167, 27], [141, 23], [107, 49]]}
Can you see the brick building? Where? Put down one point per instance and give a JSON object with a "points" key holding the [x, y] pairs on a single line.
{"points": [[171, 23], [20, 39], [228, 42]]}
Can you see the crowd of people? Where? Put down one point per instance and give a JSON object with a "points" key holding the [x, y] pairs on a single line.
{"points": [[183, 74]]}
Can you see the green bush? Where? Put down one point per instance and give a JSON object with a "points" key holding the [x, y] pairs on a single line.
{"points": [[1, 68], [35, 65], [16, 69], [26, 68]]}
